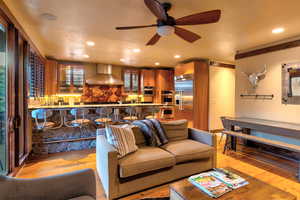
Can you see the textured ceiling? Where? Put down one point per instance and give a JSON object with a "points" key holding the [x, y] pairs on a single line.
{"points": [[244, 24]]}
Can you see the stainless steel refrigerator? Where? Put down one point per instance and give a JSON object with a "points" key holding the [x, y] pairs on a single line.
{"points": [[184, 86]]}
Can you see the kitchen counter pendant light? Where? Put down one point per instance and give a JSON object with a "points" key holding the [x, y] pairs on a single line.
{"points": [[167, 25]]}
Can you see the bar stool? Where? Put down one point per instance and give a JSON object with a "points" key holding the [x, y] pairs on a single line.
{"points": [[152, 111], [80, 119], [42, 114], [133, 114], [105, 115]]}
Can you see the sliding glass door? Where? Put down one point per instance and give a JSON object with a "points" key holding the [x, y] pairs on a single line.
{"points": [[3, 100]]}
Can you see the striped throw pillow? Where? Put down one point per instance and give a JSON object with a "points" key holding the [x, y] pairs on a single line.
{"points": [[122, 138]]}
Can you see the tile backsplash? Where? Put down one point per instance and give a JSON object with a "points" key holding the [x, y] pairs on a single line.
{"points": [[107, 93]]}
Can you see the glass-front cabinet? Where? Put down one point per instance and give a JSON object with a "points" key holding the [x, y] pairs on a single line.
{"points": [[131, 81], [71, 78], [3, 99]]}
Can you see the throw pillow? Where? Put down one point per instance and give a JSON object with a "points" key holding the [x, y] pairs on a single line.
{"points": [[122, 138]]}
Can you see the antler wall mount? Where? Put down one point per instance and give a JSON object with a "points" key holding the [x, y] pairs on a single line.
{"points": [[254, 78], [167, 25]]}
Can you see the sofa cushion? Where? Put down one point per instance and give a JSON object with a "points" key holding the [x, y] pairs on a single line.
{"points": [[83, 198], [145, 159], [176, 130], [188, 150]]}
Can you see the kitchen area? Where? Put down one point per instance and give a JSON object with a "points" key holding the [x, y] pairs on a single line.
{"points": [[69, 101]]}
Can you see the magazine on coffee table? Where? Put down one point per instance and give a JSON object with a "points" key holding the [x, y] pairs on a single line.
{"points": [[230, 179], [209, 184], [217, 182]]}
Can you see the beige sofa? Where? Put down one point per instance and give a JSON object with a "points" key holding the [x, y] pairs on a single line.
{"points": [[189, 151]]}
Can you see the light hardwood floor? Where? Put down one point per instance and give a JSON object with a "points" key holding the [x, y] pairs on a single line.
{"points": [[277, 172]]}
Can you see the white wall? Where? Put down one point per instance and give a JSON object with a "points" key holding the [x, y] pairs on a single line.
{"points": [[266, 109], [221, 95]]}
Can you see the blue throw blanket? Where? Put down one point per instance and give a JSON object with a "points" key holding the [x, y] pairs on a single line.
{"points": [[153, 131]]}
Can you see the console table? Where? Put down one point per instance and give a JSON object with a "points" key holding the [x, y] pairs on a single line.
{"points": [[288, 130]]}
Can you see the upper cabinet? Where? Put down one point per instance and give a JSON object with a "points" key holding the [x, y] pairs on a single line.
{"points": [[164, 79], [148, 77], [51, 67], [131, 80], [70, 78]]}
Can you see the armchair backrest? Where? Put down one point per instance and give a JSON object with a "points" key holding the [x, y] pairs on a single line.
{"points": [[65, 186]]}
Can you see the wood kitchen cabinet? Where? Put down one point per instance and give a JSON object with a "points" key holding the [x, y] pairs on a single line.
{"points": [[132, 83], [71, 78], [51, 77], [164, 79], [148, 78]]}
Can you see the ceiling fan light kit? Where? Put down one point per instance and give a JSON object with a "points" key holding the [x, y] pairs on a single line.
{"points": [[167, 25], [165, 30]]}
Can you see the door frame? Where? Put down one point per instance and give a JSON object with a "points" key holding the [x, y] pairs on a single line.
{"points": [[14, 115]]}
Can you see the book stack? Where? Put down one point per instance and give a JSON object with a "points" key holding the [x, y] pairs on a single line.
{"points": [[217, 182]]}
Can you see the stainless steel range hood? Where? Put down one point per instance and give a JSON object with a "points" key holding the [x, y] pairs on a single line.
{"points": [[104, 76]]}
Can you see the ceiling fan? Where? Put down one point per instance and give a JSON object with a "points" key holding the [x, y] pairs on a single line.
{"points": [[167, 25]]}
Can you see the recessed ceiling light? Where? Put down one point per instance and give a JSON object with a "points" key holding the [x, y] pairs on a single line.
{"points": [[278, 30], [177, 56], [136, 50], [90, 43], [157, 63], [122, 60], [86, 56], [77, 52]]}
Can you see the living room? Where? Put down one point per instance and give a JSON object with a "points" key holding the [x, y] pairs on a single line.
{"points": [[99, 102]]}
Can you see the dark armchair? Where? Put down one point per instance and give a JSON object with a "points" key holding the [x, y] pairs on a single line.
{"points": [[79, 185]]}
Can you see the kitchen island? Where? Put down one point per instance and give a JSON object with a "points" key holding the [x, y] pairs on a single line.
{"points": [[66, 138], [91, 106]]}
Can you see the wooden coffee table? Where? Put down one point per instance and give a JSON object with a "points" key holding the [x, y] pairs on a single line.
{"points": [[255, 190]]}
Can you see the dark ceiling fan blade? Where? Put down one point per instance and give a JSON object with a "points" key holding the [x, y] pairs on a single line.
{"points": [[154, 39], [200, 18], [157, 9], [186, 35], [134, 27]]}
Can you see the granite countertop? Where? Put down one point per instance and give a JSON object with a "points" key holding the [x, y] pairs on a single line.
{"points": [[32, 107]]}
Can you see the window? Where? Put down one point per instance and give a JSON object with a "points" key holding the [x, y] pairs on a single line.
{"points": [[71, 78], [36, 75], [3, 100], [131, 81]]}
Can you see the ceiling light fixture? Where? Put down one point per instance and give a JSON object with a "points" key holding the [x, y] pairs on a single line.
{"points": [[157, 63], [177, 56], [86, 56], [90, 43], [136, 50], [165, 30], [48, 16], [122, 60], [278, 30]]}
